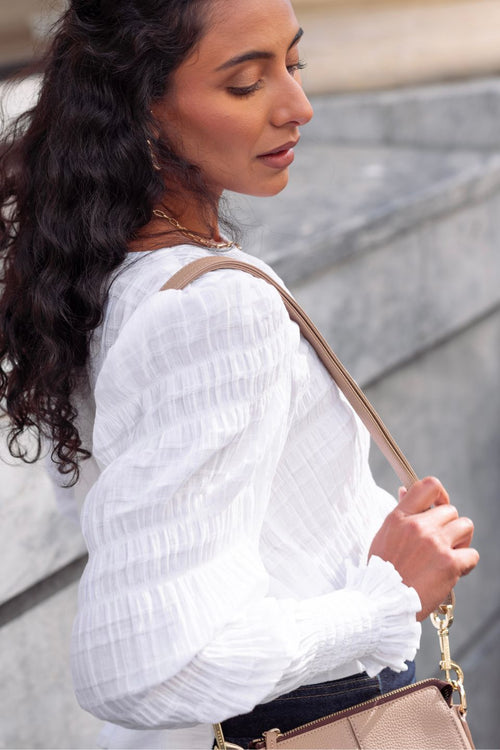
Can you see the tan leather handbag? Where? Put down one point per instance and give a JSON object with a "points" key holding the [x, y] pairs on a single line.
{"points": [[419, 716]]}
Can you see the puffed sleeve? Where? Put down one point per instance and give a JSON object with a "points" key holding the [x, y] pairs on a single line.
{"points": [[175, 625]]}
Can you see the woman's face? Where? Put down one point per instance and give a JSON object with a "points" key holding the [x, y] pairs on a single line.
{"points": [[236, 104]]}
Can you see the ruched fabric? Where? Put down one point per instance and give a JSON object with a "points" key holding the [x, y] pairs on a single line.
{"points": [[230, 522]]}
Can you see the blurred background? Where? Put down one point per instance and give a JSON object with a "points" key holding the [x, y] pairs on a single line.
{"points": [[394, 252]]}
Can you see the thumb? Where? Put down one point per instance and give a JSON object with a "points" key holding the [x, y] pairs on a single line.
{"points": [[401, 493]]}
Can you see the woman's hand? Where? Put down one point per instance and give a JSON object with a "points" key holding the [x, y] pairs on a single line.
{"points": [[427, 542]]}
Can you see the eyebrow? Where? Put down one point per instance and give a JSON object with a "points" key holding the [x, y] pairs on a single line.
{"points": [[256, 54]]}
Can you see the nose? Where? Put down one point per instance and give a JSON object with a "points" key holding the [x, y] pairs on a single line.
{"points": [[291, 104]]}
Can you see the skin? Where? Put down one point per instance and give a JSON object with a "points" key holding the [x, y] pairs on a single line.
{"points": [[223, 114], [224, 117], [427, 542]]}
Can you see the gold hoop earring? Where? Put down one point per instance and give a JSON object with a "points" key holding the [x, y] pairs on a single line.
{"points": [[154, 159]]}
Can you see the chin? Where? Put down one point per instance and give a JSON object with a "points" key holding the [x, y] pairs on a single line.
{"points": [[267, 189]]}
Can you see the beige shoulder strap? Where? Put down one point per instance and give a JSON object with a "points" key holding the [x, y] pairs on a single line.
{"points": [[342, 378]]}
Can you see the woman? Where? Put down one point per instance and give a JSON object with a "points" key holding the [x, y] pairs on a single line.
{"points": [[239, 549]]}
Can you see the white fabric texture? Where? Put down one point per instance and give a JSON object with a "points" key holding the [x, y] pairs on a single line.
{"points": [[230, 522]]}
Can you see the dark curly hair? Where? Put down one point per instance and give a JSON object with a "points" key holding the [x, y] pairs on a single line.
{"points": [[77, 183]]}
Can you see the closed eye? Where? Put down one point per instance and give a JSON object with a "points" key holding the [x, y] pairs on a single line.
{"points": [[245, 90], [249, 90]]}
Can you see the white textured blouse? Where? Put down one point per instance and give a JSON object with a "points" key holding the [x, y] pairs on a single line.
{"points": [[232, 513]]}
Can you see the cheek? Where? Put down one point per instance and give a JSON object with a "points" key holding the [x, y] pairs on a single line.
{"points": [[228, 130]]}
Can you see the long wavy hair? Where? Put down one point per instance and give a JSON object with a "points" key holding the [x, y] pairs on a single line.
{"points": [[77, 183]]}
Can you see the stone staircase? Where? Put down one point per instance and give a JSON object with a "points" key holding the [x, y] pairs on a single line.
{"points": [[388, 235]]}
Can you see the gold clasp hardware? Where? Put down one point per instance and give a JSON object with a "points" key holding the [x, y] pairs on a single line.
{"points": [[442, 619], [220, 742]]}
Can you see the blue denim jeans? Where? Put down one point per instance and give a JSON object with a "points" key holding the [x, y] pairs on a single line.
{"points": [[311, 702]]}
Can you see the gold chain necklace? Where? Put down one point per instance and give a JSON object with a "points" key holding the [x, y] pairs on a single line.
{"points": [[213, 244]]}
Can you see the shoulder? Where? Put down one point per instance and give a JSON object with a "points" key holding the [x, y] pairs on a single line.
{"points": [[225, 339], [223, 298], [221, 309], [142, 274]]}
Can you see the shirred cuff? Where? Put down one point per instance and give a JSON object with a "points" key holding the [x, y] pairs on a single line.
{"points": [[394, 606], [378, 627]]}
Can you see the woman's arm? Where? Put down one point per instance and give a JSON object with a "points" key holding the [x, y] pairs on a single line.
{"points": [[175, 625]]}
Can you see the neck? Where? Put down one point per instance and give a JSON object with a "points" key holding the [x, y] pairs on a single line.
{"points": [[195, 220], [158, 233]]}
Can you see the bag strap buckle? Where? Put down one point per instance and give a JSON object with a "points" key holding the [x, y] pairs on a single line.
{"points": [[442, 619]]}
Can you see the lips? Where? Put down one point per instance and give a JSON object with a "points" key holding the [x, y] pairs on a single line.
{"points": [[280, 158], [281, 149]]}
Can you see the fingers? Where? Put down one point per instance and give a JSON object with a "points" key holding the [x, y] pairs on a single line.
{"points": [[467, 559], [444, 522], [423, 495], [458, 533], [440, 515]]}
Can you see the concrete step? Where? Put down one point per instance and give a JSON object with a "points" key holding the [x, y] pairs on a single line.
{"points": [[452, 115], [35, 538]]}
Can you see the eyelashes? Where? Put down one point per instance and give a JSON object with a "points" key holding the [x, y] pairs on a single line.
{"points": [[243, 91], [300, 65]]}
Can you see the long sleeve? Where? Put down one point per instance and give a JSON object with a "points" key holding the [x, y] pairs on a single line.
{"points": [[175, 623]]}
